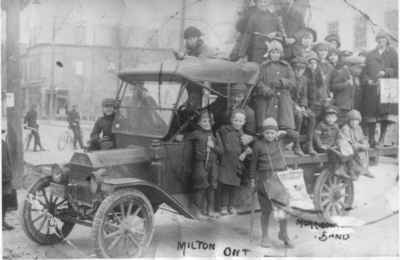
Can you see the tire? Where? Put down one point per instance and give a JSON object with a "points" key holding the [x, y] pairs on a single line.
{"points": [[108, 217], [333, 195], [48, 203]]}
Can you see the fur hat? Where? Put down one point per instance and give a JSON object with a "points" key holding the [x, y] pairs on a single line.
{"points": [[354, 115], [333, 37], [274, 45], [270, 123]]}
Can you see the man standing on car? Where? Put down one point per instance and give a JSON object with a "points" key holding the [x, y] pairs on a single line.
{"points": [[101, 137], [194, 45], [73, 119], [30, 121]]}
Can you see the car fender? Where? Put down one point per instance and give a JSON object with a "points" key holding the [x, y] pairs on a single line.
{"points": [[155, 194]]}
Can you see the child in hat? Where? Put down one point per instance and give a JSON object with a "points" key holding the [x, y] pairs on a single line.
{"points": [[205, 169], [301, 110], [353, 133], [306, 37], [231, 161], [267, 158], [327, 131], [273, 94]]}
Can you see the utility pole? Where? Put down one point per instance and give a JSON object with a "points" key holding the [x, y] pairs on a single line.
{"points": [[14, 129], [52, 87], [182, 24]]}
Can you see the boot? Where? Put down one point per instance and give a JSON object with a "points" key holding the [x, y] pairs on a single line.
{"points": [[297, 149], [6, 226], [283, 236], [310, 148], [211, 203]]}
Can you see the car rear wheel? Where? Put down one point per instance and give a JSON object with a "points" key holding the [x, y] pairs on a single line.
{"points": [[123, 225], [333, 195], [40, 214]]}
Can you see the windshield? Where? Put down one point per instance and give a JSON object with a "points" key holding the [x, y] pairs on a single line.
{"points": [[147, 107]]}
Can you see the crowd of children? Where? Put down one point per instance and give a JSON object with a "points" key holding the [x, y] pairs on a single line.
{"points": [[304, 87]]}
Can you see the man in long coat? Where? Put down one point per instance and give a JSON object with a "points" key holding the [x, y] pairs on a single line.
{"points": [[380, 63], [7, 188], [73, 119]]}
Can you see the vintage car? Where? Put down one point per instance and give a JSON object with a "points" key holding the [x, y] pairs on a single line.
{"points": [[118, 191]]}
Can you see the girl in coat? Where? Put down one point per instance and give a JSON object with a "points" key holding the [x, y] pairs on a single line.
{"points": [[205, 171], [353, 133], [232, 156], [273, 94], [267, 158]]}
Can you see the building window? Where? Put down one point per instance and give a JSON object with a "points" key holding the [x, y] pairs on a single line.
{"points": [[391, 21], [333, 27], [360, 33], [80, 34]]}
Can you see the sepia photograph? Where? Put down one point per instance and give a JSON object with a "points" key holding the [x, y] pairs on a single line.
{"points": [[199, 128]]}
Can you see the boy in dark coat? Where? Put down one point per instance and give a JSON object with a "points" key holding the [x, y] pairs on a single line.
{"points": [[342, 86], [231, 165], [301, 110], [267, 158], [30, 120], [327, 131], [273, 94], [380, 63], [101, 137], [318, 96], [322, 50], [205, 169], [305, 39]]}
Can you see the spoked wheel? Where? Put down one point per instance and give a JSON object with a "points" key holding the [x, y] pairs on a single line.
{"points": [[123, 225], [333, 195], [40, 214]]}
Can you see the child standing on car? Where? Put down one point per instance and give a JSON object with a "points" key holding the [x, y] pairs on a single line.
{"points": [[267, 158], [352, 132], [232, 157], [327, 131], [205, 171]]}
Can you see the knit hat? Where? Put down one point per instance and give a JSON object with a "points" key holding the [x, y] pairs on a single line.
{"points": [[270, 124], [311, 56], [333, 37], [354, 115], [299, 62], [238, 89], [108, 102], [330, 110], [191, 31], [382, 34], [274, 45], [300, 34], [321, 46]]}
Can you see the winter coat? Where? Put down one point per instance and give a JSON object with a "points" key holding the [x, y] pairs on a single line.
{"points": [[103, 126], [31, 119], [355, 136], [375, 62], [317, 90], [267, 157], [326, 68], [201, 50], [343, 89], [259, 22], [231, 168], [205, 168], [326, 135], [73, 117], [300, 91], [277, 80]]}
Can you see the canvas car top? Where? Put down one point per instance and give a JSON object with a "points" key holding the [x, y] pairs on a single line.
{"points": [[194, 69]]}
